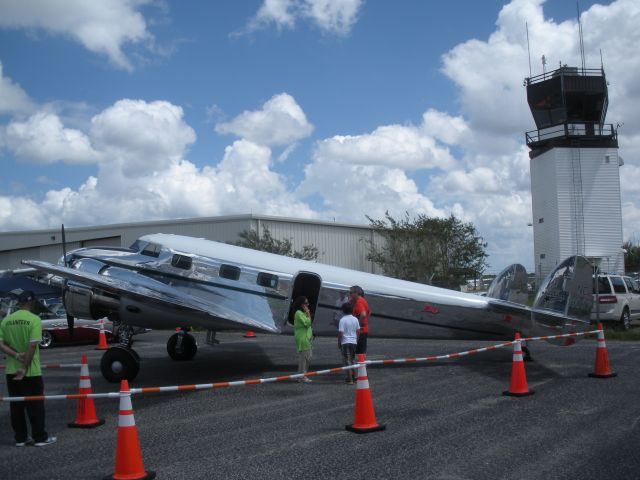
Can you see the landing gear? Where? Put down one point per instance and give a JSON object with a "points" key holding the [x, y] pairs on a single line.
{"points": [[119, 363], [182, 346], [125, 336]]}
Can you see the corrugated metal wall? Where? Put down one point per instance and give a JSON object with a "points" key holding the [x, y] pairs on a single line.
{"points": [[339, 244]]}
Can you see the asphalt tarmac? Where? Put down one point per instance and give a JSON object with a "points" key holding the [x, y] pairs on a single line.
{"points": [[444, 420]]}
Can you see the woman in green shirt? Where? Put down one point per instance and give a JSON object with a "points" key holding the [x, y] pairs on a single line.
{"points": [[303, 334]]}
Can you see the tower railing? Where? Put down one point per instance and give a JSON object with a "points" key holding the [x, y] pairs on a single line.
{"points": [[572, 130], [567, 71]]}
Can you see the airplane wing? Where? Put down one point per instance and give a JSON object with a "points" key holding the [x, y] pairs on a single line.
{"points": [[149, 290]]}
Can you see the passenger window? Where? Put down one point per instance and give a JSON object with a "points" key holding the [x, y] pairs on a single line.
{"points": [[604, 288], [267, 280], [618, 285], [181, 261], [229, 271], [151, 250]]}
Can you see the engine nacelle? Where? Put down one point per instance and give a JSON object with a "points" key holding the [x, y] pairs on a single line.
{"points": [[81, 302]]}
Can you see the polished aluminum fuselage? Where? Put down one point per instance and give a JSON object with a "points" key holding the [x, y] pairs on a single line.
{"points": [[156, 293]]}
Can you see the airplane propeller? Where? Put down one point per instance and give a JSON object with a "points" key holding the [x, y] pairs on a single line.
{"points": [[70, 318]]}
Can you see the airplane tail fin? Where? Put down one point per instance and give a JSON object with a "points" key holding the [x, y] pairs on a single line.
{"points": [[564, 300], [510, 285]]}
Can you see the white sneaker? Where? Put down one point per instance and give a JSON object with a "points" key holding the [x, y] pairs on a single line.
{"points": [[28, 441], [305, 380], [46, 442]]}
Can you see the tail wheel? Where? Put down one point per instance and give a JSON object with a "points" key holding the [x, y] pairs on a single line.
{"points": [[182, 346]]}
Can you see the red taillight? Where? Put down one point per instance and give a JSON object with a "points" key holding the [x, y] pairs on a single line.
{"points": [[608, 299]]}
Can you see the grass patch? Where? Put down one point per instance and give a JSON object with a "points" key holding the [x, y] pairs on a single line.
{"points": [[633, 334]]}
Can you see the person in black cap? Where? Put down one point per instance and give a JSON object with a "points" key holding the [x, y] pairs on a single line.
{"points": [[20, 334]]}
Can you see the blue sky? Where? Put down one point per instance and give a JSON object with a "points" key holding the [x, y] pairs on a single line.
{"points": [[132, 110]]}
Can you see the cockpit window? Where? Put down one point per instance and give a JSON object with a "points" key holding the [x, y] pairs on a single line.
{"points": [[181, 261], [137, 245], [151, 250]]}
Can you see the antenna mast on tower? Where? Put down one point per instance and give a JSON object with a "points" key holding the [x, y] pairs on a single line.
{"points": [[581, 37]]}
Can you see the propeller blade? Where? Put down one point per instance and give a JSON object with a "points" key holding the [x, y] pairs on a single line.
{"points": [[70, 319], [70, 323]]}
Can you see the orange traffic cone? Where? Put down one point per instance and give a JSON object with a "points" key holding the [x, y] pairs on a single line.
{"points": [[249, 334], [364, 418], [102, 338], [602, 369], [86, 410], [129, 464], [518, 387]]}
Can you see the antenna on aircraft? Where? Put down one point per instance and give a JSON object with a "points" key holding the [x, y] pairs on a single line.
{"points": [[64, 247]]}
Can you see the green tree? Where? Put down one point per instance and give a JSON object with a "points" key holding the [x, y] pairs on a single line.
{"points": [[435, 251], [266, 243], [632, 257]]}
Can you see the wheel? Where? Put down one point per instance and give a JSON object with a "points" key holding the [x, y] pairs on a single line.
{"points": [[625, 320], [47, 339], [119, 363], [182, 346]]}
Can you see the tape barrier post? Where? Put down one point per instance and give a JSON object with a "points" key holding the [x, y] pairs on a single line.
{"points": [[364, 417], [602, 369], [85, 410], [518, 386], [129, 464], [102, 337]]}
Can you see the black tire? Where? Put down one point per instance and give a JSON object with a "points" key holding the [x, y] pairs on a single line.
{"points": [[625, 320], [119, 363], [47, 339], [187, 350]]}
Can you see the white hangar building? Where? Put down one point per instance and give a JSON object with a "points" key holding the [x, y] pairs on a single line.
{"points": [[339, 244]]}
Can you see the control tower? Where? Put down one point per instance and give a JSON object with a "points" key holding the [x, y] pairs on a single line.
{"points": [[575, 170]]}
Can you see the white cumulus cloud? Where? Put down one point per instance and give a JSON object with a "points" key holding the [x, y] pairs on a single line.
{"points": [[103, 26], [42, 138], [330, 16], [13, 99], [280, 121]]}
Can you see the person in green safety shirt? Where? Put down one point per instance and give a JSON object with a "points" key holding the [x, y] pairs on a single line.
{"points": [[303, 334], [20, 334]]}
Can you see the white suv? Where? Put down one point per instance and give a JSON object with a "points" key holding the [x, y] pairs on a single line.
{"points": [[618, 300]]}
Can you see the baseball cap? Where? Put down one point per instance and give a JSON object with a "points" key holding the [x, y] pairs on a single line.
{"points": [[21, 295]]}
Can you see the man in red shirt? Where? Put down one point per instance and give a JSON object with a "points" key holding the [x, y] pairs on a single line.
{"points": [[361, 312]]}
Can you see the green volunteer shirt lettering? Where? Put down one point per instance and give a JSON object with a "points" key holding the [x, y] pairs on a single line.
{"points": [[18, 330]]}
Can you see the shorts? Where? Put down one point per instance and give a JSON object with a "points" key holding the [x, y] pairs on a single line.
{"points": [[348, 353], [362, 343]]}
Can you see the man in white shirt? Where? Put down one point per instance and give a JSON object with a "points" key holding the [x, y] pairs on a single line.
{"points": [[348, 330]]}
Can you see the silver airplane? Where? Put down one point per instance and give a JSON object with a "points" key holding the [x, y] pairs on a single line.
{"points": [[166, 281]]}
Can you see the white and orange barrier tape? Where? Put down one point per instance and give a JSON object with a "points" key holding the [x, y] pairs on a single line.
{"points": [[260, 381], [55, 365]]}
